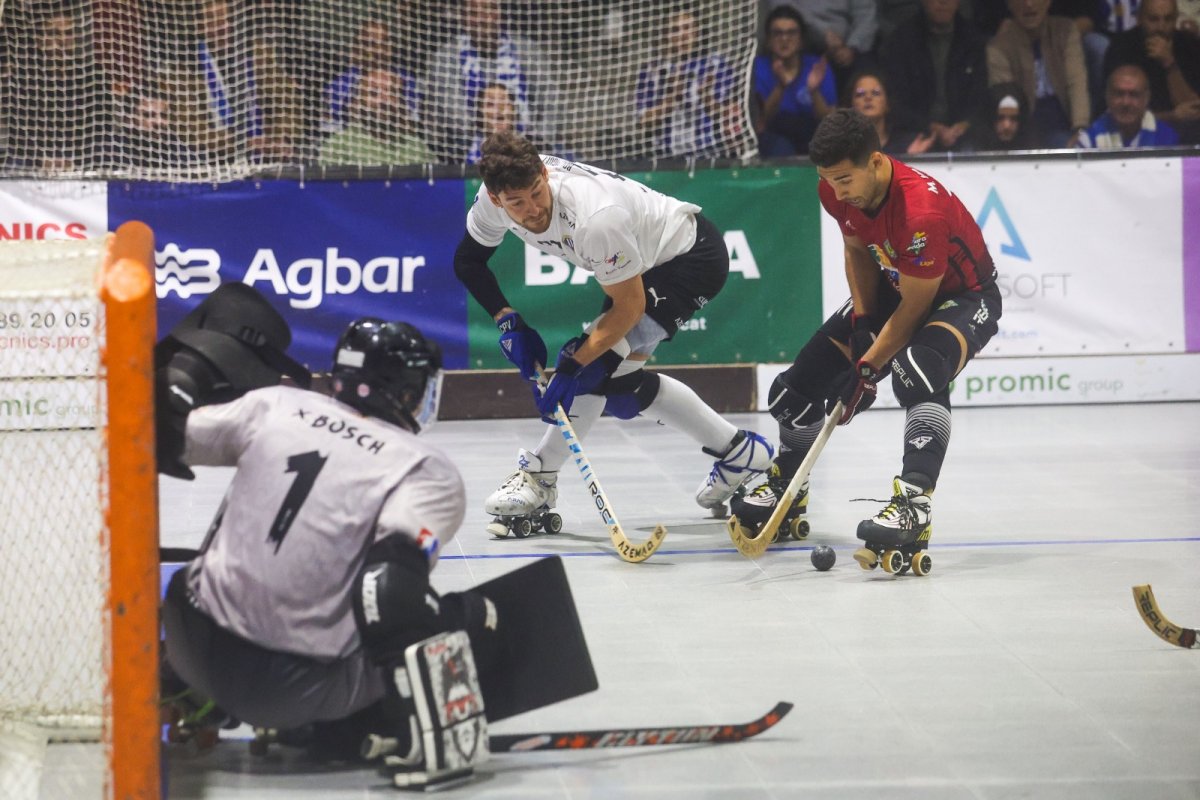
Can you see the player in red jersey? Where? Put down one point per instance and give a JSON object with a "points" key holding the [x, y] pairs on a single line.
{"points": [[923, 301]]}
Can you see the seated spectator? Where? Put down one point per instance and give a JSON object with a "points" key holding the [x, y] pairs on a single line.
{"points": [[685, 98], [1005, 124], [1044, 55], [847, 30], [373, 49], [497, 112], [378, 131], [936, 66], [1171, 60], [868, 95], [60, 100], [145, 137], [483, 53], [795, 90], [232, 96], [1128, 122]]}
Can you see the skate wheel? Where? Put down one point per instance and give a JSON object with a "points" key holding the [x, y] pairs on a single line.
{"points": [[866, 558], [893, 562], [799, 528], [551, 523], [921, 563], [522, 528], [498, 529]]}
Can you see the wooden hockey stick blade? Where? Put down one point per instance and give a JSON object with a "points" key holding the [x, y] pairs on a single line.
{"points": [[627, 549], [637, 737], [1165, 629], [754, 546]]}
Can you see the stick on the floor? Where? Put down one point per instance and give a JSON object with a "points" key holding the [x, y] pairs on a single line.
{"points": [[1165, 629], [638, 737], [629, 550]]}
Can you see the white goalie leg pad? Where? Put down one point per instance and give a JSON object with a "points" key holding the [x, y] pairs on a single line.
{"points": [[450, 714]]}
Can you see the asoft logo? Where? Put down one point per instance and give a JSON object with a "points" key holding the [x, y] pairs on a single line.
{"points": [[992, 204]]}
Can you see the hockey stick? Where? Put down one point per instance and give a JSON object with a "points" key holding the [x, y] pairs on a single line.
{"points": [[754, 546], [637, 737], [628, 550], [1167, 631]]}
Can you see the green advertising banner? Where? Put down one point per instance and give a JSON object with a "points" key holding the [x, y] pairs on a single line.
{"points": [[771, 303]]}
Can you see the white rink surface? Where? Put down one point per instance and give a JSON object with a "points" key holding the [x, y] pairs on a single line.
{"points": [[1019, 669]]}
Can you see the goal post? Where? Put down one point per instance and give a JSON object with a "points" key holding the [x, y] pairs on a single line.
{"points": [[132, 514], [79, 581]]}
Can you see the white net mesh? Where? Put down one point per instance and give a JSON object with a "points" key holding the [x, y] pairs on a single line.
{"points": [[217, 89], [54, 573]]}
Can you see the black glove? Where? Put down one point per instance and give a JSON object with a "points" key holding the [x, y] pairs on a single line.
{"points": [[861, 336], [856, 389], [521, 345]]}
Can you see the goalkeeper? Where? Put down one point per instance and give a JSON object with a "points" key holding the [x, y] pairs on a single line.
{"points": [[658, 261], [309, 607]]}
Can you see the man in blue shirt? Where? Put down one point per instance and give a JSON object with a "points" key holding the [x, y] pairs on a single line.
{"points": [[1128, 122]]}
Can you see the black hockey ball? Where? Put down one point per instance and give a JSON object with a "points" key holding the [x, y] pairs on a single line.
{"points": [[823, 557]]}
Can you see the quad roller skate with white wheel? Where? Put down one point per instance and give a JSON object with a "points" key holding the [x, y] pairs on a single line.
{"points": [[754, 508], [524, 501], [896, 538]]}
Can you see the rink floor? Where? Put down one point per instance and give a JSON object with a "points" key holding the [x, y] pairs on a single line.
{"points": [[1019, 668]]}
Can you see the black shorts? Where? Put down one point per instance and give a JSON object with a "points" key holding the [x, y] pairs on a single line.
{"points": [[677, 289], [974, 315], [261, 687]]}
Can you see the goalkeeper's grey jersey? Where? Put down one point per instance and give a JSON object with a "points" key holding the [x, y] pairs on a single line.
{"points": [[316, 483], [605, 223]]}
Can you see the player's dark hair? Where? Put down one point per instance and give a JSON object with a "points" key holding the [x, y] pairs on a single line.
{"points": [[844, 134], [509, 162]]}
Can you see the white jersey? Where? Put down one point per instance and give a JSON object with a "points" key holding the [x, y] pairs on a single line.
{"points": [[602, 222], [316, 484]]}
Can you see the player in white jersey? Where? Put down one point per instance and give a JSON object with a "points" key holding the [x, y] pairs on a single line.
{"points": [[658, 261]]}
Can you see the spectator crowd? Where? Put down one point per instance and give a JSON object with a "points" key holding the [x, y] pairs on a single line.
{"points": [[223, 81]]}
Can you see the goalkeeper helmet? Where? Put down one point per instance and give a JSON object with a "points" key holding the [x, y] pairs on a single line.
{"points": [[388, 370]]}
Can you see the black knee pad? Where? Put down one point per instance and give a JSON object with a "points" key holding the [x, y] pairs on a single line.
{"points": [[790, 408], [919, 374], [630, 395], [394, 606]]}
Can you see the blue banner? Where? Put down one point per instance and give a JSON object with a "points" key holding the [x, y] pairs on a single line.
{"points": [[322, 253]]}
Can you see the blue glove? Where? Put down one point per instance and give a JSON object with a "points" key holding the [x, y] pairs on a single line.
{"points": [[570, 379], [856, 389], [521, 345]]}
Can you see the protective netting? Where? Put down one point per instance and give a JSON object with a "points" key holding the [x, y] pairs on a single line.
{"points": [[218, 89], [54, 570]]}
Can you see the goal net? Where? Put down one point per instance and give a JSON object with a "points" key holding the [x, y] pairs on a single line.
{"points": [[78, 516], [209, 90]]}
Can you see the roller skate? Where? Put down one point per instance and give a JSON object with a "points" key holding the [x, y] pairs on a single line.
{"points": [[896, 537], [755, 507], [524, 501], [745, 457]]}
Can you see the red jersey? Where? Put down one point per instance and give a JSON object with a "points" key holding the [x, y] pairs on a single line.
{"points": [[920, 230]]}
